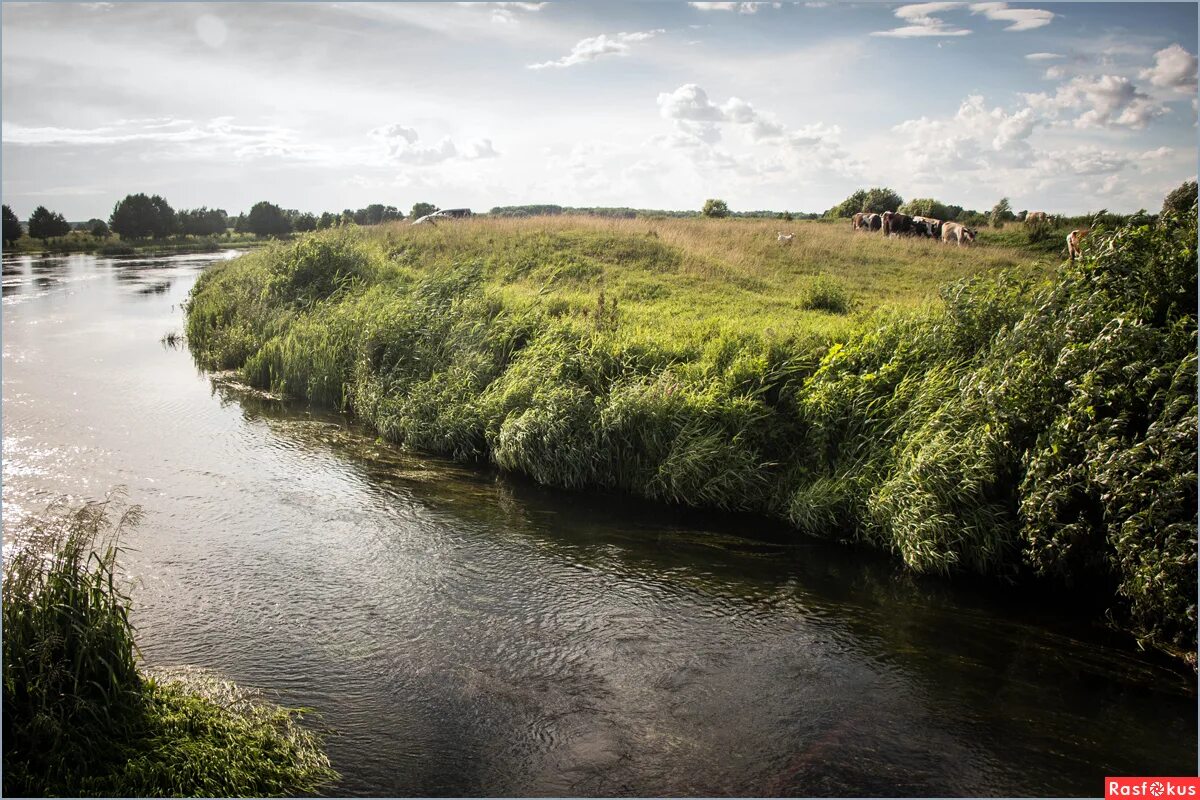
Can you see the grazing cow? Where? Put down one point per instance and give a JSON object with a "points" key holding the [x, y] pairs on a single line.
{"points": [[1035, 216], [859, 221], [1074, 238], [930, 227], [953, 231], [873, 222], [895, 223], [784, 238]]}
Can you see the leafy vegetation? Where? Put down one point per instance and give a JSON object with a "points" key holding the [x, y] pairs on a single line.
{"points": [[1025, 423], [81, 718], [44, 224]]}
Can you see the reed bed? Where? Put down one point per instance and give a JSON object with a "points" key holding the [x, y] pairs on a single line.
{"points": [[81, 718], [981, 411]]}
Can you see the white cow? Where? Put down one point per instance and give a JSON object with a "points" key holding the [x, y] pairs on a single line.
{"points": [[785, 238]]}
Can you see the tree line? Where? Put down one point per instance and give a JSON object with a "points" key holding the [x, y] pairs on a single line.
{"points": [[140, 216]]}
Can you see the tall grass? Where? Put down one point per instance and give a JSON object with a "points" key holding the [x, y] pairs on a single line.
{"points": [[80, 717], [1021, 421]]}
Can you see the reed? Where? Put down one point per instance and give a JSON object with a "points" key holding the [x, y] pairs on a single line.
{"points": [[81, 718]]}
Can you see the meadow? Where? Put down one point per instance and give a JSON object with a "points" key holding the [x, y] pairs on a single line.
{"points": [[975, 411]]}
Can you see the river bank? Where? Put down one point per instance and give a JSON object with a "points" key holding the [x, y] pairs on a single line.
{"points": [[1030, 424], [464, 631], [81, 714], [113, 246]]}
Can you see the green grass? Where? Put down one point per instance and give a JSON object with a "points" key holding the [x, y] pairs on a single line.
{"points": [[81, 718], [83, 242], [982, 410]]}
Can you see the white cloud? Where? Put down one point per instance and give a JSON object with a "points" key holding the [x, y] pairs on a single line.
{"points": [[975, 138], [596, 47], [480, 148], [1022, 19], [741, 8], [1158, 154], [1106, 101], [921, 21], [403, 145], [1174, 68], [1044, 56]]}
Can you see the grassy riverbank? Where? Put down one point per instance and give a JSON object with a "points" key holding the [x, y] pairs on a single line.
{"points": [[81, 717], [977, 410], [82, 242]]}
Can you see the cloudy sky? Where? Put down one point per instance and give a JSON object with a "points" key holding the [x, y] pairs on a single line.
{"points": [[1060, 106]]}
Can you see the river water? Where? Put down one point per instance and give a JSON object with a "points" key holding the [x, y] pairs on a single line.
{"points": [[463, 633]]}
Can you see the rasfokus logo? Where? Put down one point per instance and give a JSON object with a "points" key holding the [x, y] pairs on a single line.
{"points": [[1151, 787]]}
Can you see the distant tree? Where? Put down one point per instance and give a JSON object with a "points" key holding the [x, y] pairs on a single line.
{"points": [[327, 220], [422, 210], [12, 227], [268, 219], [203, 221], [240, 225], [1179, 201], [881, 199], [850, 206], [786, 216], [97, 228], [715, 208], [1000, 213], [139, 217], [46, 224], [347, 218], [305, 222], [926, 207]]}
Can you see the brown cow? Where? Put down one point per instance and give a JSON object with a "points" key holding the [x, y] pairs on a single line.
{"points": [[1035, 216], [858, 221], [953, 231], [896, 223], [929, 226], [1074, 238]]}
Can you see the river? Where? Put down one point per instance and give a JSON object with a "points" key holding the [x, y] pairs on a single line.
{"points": [[463, 633]]}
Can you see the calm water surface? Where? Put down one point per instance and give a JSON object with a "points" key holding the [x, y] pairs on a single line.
{"points": [[464, 634]]}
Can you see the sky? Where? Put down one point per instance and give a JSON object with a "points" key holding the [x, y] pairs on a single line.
{"points": [[1063, 107]]}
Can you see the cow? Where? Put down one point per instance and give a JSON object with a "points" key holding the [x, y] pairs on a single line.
{"points": [[873, 222], [896, 223], [1074, 238], [784, 238], [857, 221], [953, 231], [1035, 216], [930, 227]]}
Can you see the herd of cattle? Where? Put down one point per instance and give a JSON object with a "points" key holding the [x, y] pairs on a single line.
{"points": [[893, 223]]}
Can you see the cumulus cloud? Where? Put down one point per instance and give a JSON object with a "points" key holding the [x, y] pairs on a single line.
{"points": [[975, 138], [697, 116], [922, 22], [1174, 68], [596, 47], [698, 122], [741, 8], [1105, 101], [1020, 19], [403, 145]]}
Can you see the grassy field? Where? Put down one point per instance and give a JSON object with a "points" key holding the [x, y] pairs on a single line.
{"points": [[983, 410], [82, 718]]}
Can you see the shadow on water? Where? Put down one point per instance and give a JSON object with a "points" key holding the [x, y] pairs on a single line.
{"points": [[896, 685]]}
